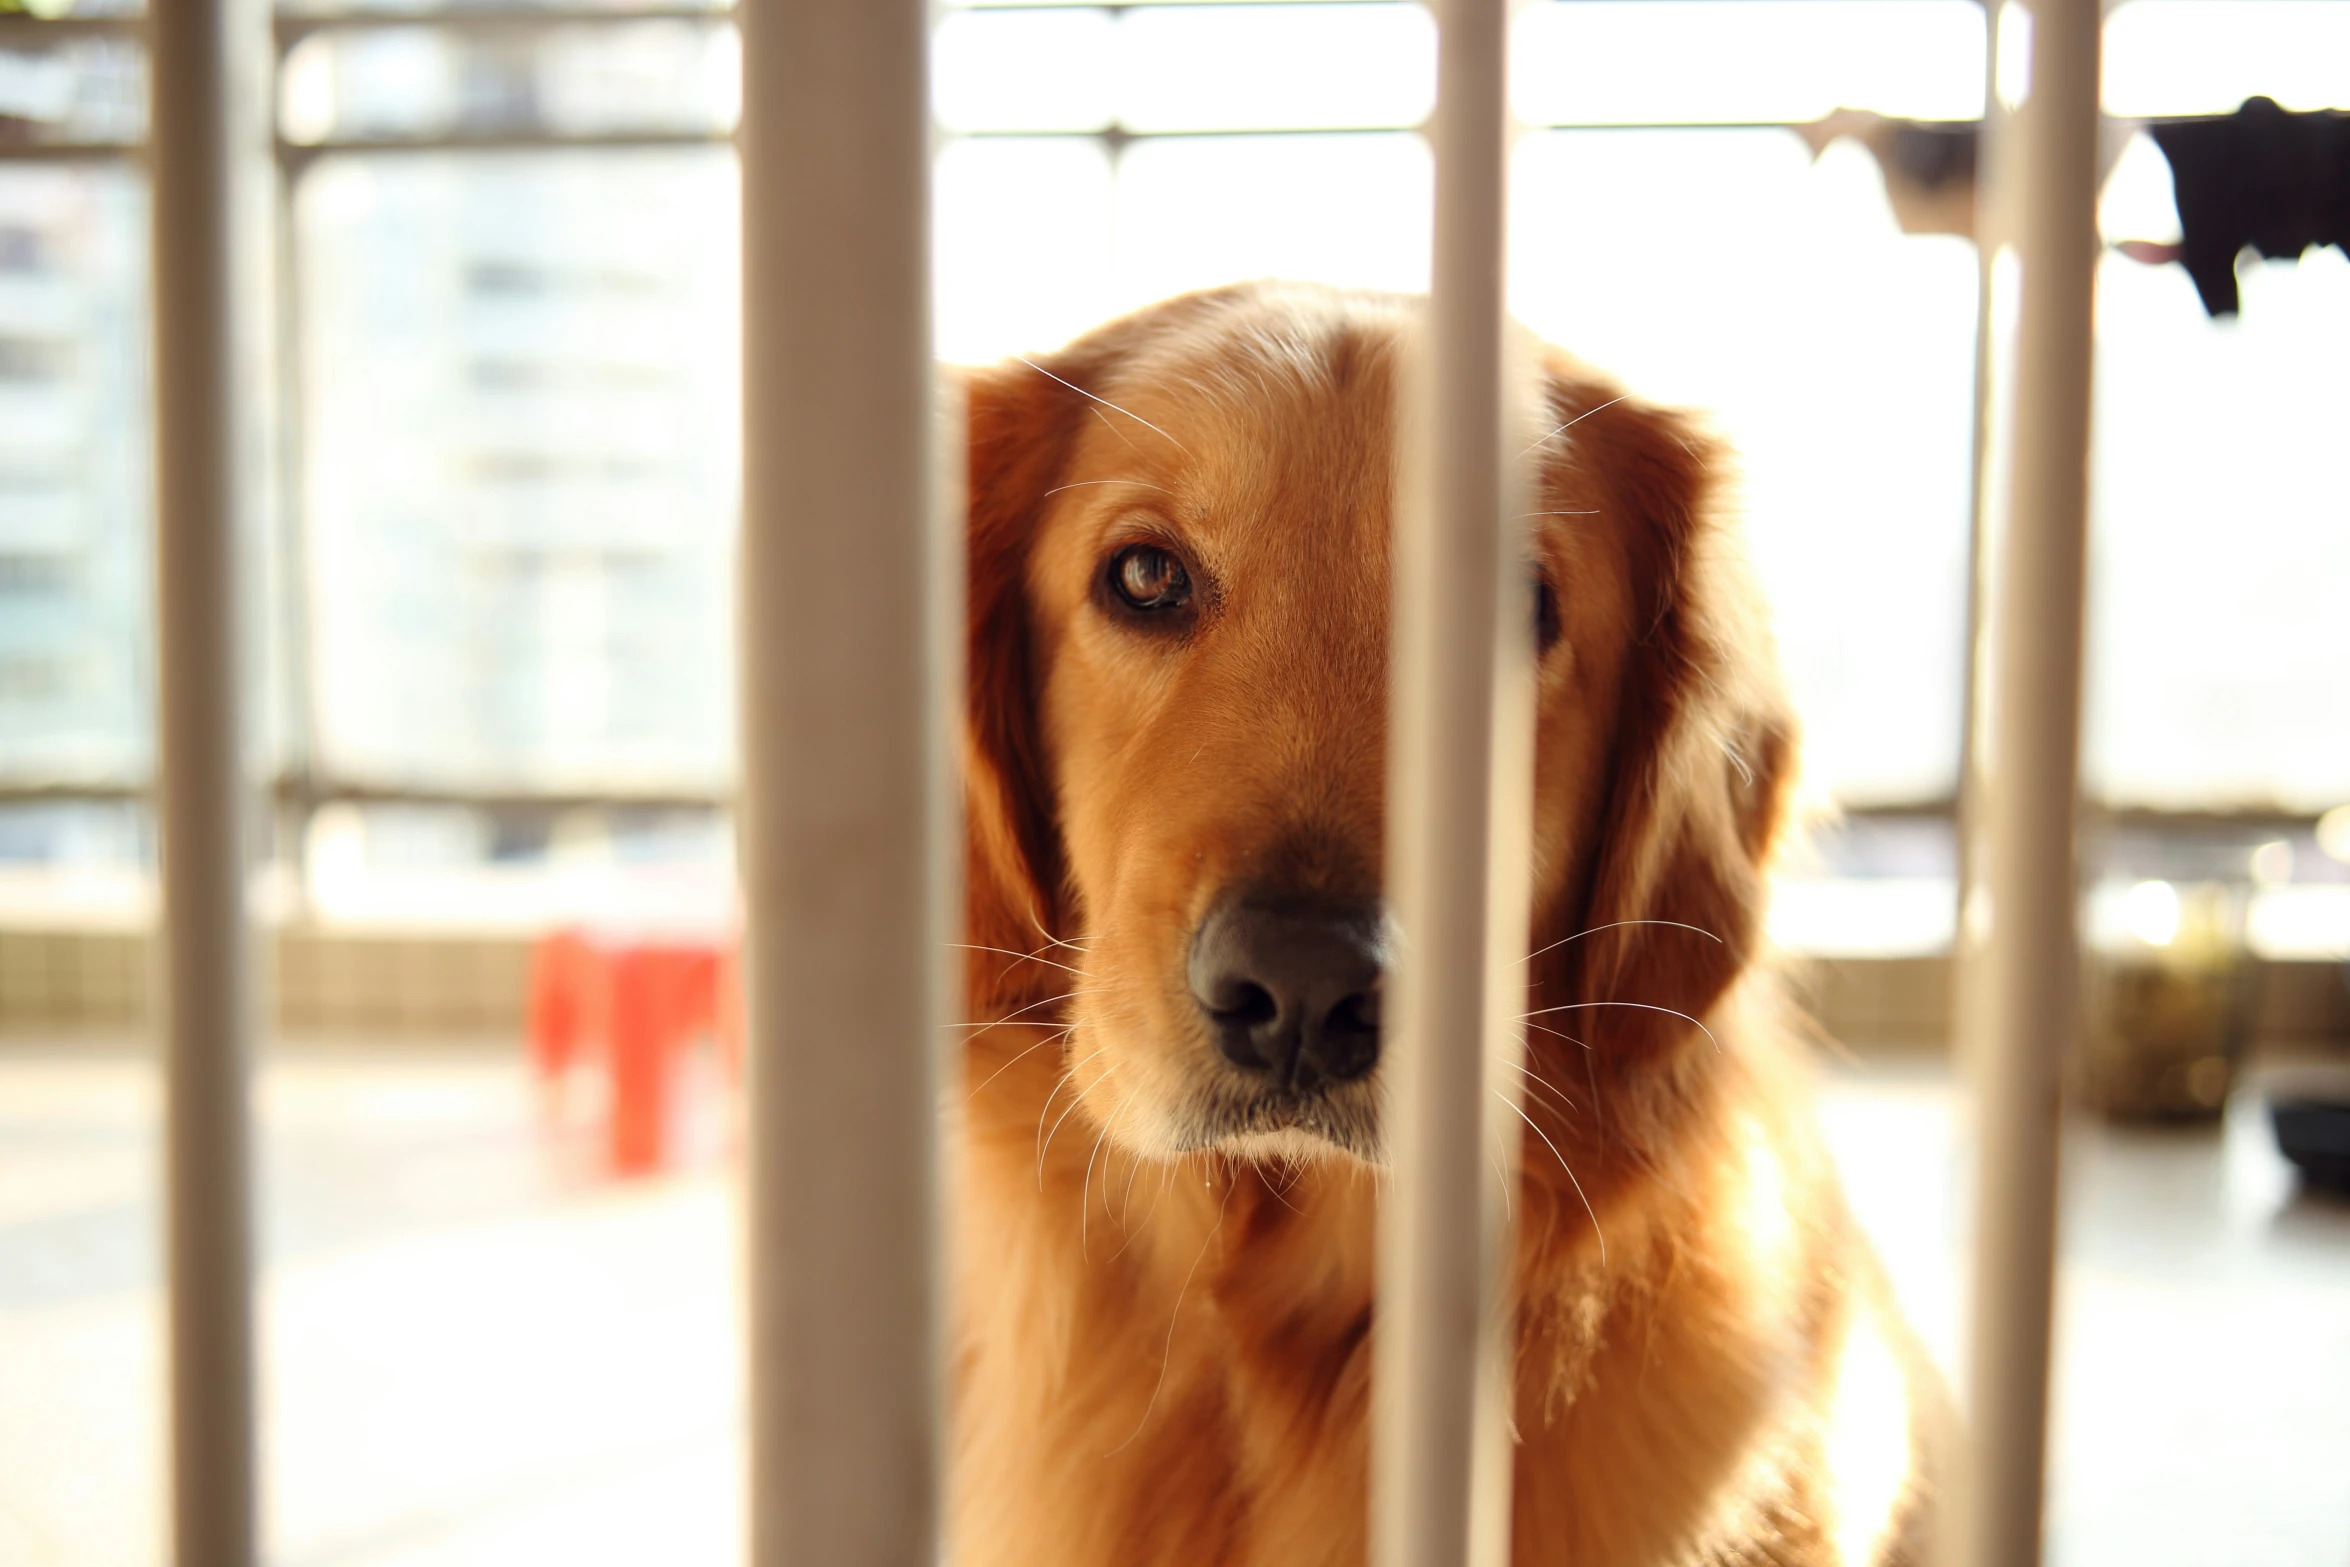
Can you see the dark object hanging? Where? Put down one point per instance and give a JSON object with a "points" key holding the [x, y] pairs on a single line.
{"points": [[2264, 177], [2315, 1134]]}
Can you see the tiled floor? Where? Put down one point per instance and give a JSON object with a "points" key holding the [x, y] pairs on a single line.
{"points": [[479, 1353], [2202, 1402]]}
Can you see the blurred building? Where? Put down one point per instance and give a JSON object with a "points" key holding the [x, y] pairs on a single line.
{"points": [[518, 379], [519, 467], [74, 486]]}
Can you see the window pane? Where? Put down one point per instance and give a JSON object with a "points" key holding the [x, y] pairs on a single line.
{"points": [[80, 10], [85, 90], [1023, 246], [1351, 210], [1023, 70], [1728, 271], [1276, 67], [1187, 68], [1034, 250], [400, 83], [520, 460], [1024, 5], [1709, 61], [2179, 57], [520, 7], [73, 475], [2220, 594]]}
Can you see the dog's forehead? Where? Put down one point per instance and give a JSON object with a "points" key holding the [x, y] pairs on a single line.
{"points": [[1241, 427], [1244, 368]]}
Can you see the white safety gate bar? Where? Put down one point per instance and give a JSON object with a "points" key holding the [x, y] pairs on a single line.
{"points": [[850, 621], [2031, 961], [201, 56], [1460, 771], [844, 775]]}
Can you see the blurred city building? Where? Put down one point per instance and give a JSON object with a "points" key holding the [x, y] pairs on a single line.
{"points": [[74, 496], [518, 469]]}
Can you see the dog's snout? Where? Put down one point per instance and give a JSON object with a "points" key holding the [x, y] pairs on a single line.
{"points": [[1291, 989]]}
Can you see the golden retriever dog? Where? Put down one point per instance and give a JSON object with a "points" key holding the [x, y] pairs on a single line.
{"points": [[1175, 753]]}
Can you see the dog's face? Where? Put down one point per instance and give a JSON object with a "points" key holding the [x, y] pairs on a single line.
{"points": [[1181, 581]]}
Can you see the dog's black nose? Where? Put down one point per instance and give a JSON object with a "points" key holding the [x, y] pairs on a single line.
{"points": [[1291, 988]]}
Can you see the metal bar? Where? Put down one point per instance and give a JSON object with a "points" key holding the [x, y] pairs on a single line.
{"points": [[69, 152], [1120, 133], [34, 793], [18, 29], [843, 779], [531, 141], [1994, 387], [1119, 7], [329, 786], [291, 29], [2031, 998], [1435, 1495], [198, 86], [1982, 516], [294, 676], [298, 156]]}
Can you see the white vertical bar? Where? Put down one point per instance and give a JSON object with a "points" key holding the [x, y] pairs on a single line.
{"points": [[2031, 1006], [1975, 702], [1441, 1238], [195, 65], [840, 785]]}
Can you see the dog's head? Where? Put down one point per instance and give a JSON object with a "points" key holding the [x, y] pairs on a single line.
{"points": [[1177, 717]]}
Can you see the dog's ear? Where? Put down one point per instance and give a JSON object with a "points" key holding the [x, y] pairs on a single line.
{"points": [[1704, 745], [1021, 422]]}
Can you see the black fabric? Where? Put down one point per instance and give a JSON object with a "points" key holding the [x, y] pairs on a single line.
{"points": [[2264, 177], [1933, 155]]}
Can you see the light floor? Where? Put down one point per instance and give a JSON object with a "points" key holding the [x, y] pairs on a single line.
{"points": [[478, 1352]]}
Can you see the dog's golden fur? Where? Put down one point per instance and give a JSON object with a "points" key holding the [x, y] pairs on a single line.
{"points": [[1162, 1331]]}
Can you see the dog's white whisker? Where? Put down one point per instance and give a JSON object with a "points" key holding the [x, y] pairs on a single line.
{"points": [[1615, 925], [1085, 484], [1562, 1104], [1067, 1079], [1114, 430], [1552, 1032], [1024, 957], [1051, 940], [1166, 1182], [1106, 403], [1280, 1193], [1085, 1192], [1109, 1125], [1050, 1039], [1126, 1203], [1167, 1351], [1012, 1019], [1044, 1110], [1075, 1100], [1570, 1169], [1553, 435], [1584, 1006]]}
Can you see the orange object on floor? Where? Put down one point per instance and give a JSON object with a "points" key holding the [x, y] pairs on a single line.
{"points": [[642, 1000]]}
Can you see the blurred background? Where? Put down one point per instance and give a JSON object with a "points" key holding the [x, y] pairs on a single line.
{"points": [[492, 603]]}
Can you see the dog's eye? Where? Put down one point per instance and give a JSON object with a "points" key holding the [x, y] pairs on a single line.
{"points": [[1546, 616], [1149, 579]]}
